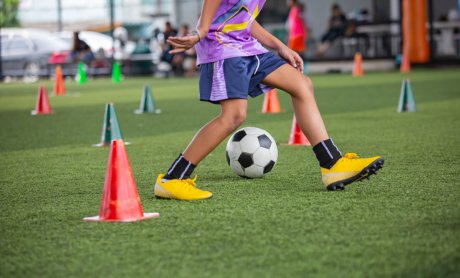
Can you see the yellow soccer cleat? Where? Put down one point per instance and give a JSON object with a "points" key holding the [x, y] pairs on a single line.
{"points": [[350, 168], [179, 189]]}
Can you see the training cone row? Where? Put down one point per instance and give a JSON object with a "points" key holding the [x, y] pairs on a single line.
{"points": [[271, 103], [406, 98], [147, 104], [59, 85], [120, 199], [42, 106], [110, 128], [297, 137], [358, 65]]}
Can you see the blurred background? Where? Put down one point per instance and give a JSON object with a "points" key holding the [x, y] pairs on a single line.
{"points": [[37, 35]]}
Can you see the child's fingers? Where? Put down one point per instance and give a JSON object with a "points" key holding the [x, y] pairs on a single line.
{"points": [[292, 61], [177, 50], [186, 39], [180, 44], [173, 41], [298, 61]]}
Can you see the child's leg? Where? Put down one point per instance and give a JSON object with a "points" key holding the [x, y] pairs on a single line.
{"points": [[176, 184], [300, 88], [337, 171], [233, 114]]}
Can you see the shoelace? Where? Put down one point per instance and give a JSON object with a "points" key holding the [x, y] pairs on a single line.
{"points": [[351, 155], [191, 182]]}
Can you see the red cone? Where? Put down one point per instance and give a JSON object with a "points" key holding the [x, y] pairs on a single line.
{"points": [[358, 67], [120, 200], [297, 137], [59, 86], [271, 103], [43, 105]]}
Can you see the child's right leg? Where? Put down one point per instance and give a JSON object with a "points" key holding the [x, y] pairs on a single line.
{"points": [[176, 184], [337, 171]]}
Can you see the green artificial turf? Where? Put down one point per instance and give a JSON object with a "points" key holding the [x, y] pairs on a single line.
{"points": [[404, 222]]}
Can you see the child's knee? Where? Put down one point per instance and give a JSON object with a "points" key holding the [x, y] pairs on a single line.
{"points": [[234, 119], [238, 118], [308, 84], [304, 90]]}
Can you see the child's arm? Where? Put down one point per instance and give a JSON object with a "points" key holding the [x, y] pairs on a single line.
{"points": [[270, 41], [204, 22]]}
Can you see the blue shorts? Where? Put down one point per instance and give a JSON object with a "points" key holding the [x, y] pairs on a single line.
{"points": [[237, 77]]}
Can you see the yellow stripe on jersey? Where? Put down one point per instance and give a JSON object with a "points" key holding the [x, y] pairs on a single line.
{"points": [[241, 26]]}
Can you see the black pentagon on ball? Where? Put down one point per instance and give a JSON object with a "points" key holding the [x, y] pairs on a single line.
{"points": [[238, 136], [269, 167], [227, 157], [264, 141], [245, 160]]}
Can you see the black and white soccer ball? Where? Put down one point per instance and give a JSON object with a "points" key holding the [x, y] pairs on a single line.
{"points": [[251, 152]]}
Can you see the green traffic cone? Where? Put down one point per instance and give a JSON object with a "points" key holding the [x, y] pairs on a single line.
{"points": [[147, 104], [81, 74], [116, 72], [111, 128], [406, 99]]}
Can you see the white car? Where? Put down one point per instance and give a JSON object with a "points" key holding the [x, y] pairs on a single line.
{"points": [[28, 52]]}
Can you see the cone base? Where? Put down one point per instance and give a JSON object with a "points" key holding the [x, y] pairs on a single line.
{"points": [[107, 144], [265, 112], [295, 144], [34, 113], [138, 112], [147, 215]]}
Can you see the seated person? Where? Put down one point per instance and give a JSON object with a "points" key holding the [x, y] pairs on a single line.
{"points": [[337, 27], [184, 63], [81, 50], [169, 31]]}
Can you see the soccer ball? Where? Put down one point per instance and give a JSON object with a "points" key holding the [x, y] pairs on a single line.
{"points": [[251, 152]]}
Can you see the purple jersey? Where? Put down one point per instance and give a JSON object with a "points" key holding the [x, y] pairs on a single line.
{"points": [[230, 32]]}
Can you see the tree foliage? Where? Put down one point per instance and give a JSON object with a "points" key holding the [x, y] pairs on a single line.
{"points": [[9, 13]]}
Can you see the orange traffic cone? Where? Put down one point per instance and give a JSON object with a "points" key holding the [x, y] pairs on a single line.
{"points": [[271, 103], [405, 64], [297, 137], [42, 107], [358, 67], [120, 200], [59, 87]]}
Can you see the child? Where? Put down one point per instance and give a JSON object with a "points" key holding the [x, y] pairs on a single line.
{"points": [[234, 64], [298, 31]]}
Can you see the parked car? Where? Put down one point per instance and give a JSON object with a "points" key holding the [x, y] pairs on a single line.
{"points": [[98, 41], [28, 52]]}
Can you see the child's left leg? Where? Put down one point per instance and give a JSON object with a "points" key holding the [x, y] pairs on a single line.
{"points": [[176, 183], [337, 171]]}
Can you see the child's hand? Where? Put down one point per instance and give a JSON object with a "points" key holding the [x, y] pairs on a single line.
{"points": [[182, 44], [292, 57]]}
